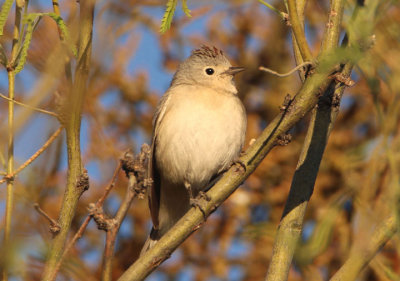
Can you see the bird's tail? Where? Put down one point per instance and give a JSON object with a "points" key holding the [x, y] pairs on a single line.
{"points": [[151, 241]]}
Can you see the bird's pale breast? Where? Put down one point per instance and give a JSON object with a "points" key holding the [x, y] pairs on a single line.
{"points": [[201, 133]]}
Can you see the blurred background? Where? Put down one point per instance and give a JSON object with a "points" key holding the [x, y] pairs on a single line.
{"points": [[132, 65]]}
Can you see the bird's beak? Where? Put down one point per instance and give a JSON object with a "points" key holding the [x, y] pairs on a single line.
{"points": [[234, 70]]}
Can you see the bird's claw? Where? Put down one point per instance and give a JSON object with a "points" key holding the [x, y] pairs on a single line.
{"points": [[240, 166], [196, 201]]}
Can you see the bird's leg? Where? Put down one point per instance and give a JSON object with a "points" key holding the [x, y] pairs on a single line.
{"points": [[196, 200], [240, 166]]}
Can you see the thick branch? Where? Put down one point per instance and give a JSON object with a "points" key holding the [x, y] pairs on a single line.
{"points": [[303, 102], [71, 119], [302, 187]]}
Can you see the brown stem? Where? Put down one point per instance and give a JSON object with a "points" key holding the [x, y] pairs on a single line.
{"points": [[85, 223], [111, 234], [34, 156], [54, 226]]}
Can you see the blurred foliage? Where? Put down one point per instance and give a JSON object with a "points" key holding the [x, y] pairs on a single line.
{"points": [[356, 186]]}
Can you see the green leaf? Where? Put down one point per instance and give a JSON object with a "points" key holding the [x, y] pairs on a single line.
{"points": [[5, 9], [64, 30], [32, 21], [168, 15], [186, 9]]}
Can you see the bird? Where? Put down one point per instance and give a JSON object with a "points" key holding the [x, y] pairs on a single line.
{"points": [[199, 130]]}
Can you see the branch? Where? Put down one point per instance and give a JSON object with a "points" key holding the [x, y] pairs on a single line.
{"points": [[33, 157], [290, 227], [332, 29], [10, 148], [262, 68], [303, 102], [71, 119], [136, 170], [112, 231], [54, 226], [360, 256], [30, 107], [298, 31], [85, 223]]}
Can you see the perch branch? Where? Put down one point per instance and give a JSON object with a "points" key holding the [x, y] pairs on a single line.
{"points": [[303, 102]]}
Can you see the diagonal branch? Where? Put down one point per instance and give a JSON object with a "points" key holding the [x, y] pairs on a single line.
{"points": [[303, 102], [33, 157], [360, 257]]}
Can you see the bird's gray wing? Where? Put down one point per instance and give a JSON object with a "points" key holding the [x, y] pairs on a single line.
{"points": [[154, 194]]}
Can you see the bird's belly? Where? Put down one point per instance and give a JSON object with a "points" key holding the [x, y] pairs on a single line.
{"points": [[201, 142]]}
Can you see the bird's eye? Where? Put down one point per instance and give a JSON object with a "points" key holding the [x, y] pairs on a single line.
{"points": [[210, 71]]}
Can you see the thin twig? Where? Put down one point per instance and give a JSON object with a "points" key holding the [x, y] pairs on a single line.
{"points": [[262, 68], [136, 170], [10, 158], [283, 15], [298, 31], [28, 106], [8, 177], [85, 223], [54, 226], [111, 234]]}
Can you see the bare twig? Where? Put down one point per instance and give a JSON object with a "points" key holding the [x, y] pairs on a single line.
{"points": [[54, 226], [283, 15], [298, 31], [28, 106], [113, 229], [85, 223], [262, 68], [136, 170], [33, 157]]}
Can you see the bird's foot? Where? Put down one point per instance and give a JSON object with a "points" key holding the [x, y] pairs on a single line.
{"points": [[240, 166], [198, 202]]}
